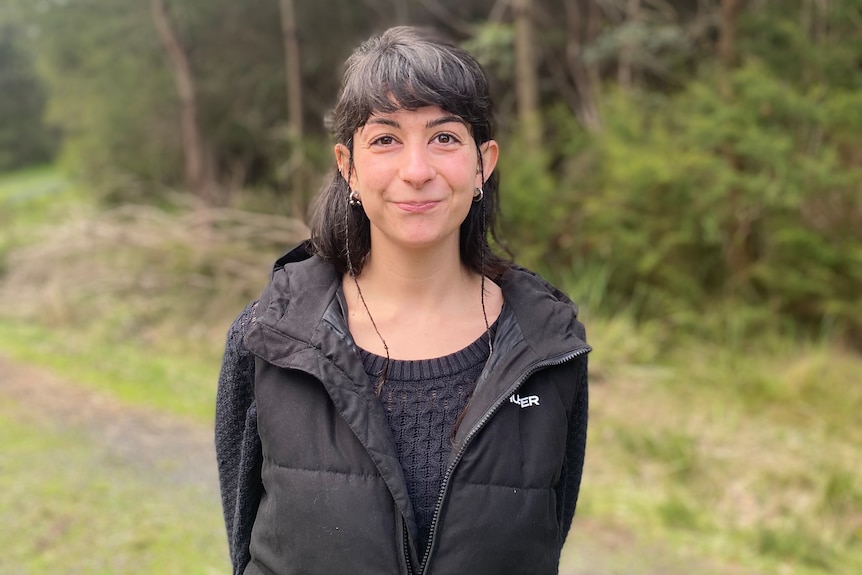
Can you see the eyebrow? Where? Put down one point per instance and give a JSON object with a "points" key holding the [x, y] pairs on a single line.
{"points": [[445, 120], [430, 124]]}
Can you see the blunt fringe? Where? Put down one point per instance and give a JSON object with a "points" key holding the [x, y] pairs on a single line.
{"points": [[406, 68]]}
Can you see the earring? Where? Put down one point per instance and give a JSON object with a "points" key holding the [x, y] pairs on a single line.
{"points": [[353, 199], [478, 195]]}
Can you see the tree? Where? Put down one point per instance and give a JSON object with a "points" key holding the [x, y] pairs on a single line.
{"points": [[526, 76], [730, 11], [582, 28], [293, 71], [627, 48], [197, 174]]}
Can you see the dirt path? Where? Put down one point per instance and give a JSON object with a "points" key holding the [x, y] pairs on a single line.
{"points": [[181, 452]]}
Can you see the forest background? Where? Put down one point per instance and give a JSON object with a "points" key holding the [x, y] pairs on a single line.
{"points": [[689, 171]]}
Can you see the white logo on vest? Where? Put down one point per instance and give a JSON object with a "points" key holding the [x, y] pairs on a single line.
{"points": [[528, 401]]}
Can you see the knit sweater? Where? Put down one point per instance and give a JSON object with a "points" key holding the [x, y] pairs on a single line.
{"points": [[238, 461], [422, 400]]}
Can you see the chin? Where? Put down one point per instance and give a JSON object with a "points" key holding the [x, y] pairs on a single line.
{"points": [[421, 242]]}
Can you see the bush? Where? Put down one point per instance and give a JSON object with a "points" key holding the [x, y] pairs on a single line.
{"points": [[749, 195]]}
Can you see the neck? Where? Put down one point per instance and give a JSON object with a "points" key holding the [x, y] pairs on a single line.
{"points": [[418, 305], [417, 276]]}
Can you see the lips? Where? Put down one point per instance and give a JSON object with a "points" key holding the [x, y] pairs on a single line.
{"points": [[417, 207]]}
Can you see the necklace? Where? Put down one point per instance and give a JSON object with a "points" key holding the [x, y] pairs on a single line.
{"points": [[378, 387]]}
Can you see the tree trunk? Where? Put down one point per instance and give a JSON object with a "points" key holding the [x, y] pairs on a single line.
{"points": [[739, 222], [526, 76], [586, 78], [730, 10], [292, 69], [196, 175], [624, 68]]}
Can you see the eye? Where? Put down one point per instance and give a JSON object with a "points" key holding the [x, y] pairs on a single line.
{"points": [[446, 138], [383, 141]]}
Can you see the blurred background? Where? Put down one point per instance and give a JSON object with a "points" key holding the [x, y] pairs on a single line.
{"points": [[689, 171]]}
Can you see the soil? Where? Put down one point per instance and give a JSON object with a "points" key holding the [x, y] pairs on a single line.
{"points": [[146, 439], [182, 451]]}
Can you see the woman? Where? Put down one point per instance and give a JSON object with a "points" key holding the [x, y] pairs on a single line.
{"points": [[400, 399]]}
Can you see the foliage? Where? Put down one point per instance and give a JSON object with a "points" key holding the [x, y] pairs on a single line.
{"points": [[708, 196], [24, 139], [739, 193], [111, 97], [116, 103]]}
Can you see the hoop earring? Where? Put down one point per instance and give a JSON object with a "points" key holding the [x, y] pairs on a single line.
{"points": [[478, 195], [353, 199]]}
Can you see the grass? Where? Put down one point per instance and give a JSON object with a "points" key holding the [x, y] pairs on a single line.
{"points": [[29, 199], [137, 374], [66, 506], [34, 185], [748, 457]]}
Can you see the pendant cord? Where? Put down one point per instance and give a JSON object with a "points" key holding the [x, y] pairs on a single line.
{"points": [[482, 249], [378, 387], [487, 325]]}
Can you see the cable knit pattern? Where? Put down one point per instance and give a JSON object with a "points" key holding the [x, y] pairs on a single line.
{"points": [[238, 448], [423, 400], [573, 464]]}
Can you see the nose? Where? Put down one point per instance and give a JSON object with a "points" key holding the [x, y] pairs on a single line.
{"points": [[417, 168]]}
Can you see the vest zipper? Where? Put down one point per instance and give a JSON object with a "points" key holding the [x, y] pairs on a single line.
{"points": [[405, 543], [476, 428]]}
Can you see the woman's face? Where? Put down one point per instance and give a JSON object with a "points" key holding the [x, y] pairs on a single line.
{"points": [[416, 172]]}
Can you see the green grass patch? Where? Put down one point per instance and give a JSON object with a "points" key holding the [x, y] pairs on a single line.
{"points": [[68, 507], [183, 384], [37, 195], [30, 184], [31, 199], [745, 457]]}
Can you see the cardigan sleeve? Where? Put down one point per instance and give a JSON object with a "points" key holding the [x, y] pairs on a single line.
{"points": [[238, 447], [573, 464]]}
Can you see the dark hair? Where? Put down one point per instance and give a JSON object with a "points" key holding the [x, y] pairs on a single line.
{"points": [[406, 68]]}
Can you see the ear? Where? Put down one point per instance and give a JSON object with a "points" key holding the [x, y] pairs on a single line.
{"points": [[490, 153], [342, 160]]}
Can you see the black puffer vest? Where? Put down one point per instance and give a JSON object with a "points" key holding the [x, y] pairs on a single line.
{"points": [[335, 500]]}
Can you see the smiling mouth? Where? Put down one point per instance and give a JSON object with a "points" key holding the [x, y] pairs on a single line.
{"points": [[416, 207]]}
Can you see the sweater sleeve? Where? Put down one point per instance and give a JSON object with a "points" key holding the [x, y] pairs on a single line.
{"points": [[573, 465], [238, 448]]}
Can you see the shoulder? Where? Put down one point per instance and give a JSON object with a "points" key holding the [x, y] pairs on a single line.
{"points": [[300, 289], [519, 281], [540, 307], [237, 360], [523, 288], [240, 326]]}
